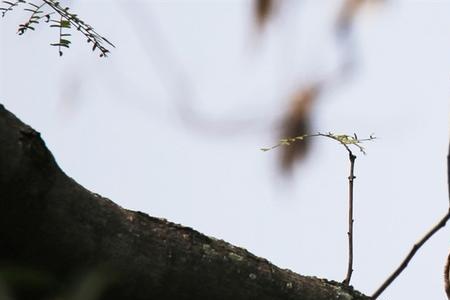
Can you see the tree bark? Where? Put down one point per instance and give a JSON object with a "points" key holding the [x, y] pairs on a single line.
{"points": [[57, 238]]}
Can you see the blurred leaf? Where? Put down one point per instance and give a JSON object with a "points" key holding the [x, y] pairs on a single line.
{"points": [[347, 13], [4, 292], [91, 286], [297, 123], [22, 276], [263, 11], [65, 24]]}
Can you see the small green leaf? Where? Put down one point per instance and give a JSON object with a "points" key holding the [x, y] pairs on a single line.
{"points": [[65, 24], [64, 41], [34, 5], [60, 45]]}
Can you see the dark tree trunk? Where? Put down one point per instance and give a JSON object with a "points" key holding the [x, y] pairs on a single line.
{"points": [[57, 238]]}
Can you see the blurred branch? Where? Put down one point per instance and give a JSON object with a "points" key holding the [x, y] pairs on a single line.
{"points": [[177, 80]]}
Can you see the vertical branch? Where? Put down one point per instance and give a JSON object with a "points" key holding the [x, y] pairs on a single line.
{"points": [[447, 264], [446, 277], [448, 171], [60, 36], [346, 141], [351, 177]]}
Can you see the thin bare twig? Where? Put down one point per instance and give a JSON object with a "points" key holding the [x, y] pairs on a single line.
{"points": [[416, 247], [447, 264], [343, 139], [411, 254], [351, 177], [448, 171], [346, 141]]}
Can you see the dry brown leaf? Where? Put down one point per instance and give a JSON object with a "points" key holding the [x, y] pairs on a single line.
{"points": [[263, 11], [347, 13], [296, 123], [349, 10]]}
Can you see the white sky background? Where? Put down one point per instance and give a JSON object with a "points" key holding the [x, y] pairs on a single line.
{"points": [[114, 125]]}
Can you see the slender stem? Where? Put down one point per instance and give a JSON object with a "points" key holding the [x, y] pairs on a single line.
{"points": [[351, 178], [10, 7], [60, 36], [447, 264], [346, 141], [411, 254], [448, 171], [419, 244], [81, 26]]}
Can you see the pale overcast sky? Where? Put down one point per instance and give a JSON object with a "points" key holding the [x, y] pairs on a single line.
{"points": [[114, 125]]}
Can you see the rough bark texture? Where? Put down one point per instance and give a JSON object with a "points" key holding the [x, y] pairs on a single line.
{"points": [[52, 231]]}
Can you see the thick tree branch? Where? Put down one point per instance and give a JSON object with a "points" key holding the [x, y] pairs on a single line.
{"points": [[52, 226]]}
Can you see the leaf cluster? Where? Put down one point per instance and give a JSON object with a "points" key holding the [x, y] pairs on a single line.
{"points": [[64, 21], [343, 139]]}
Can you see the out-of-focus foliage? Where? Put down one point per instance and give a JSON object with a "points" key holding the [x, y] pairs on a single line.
{"points": [[16, 282], [297, 119], [263, 11]]}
